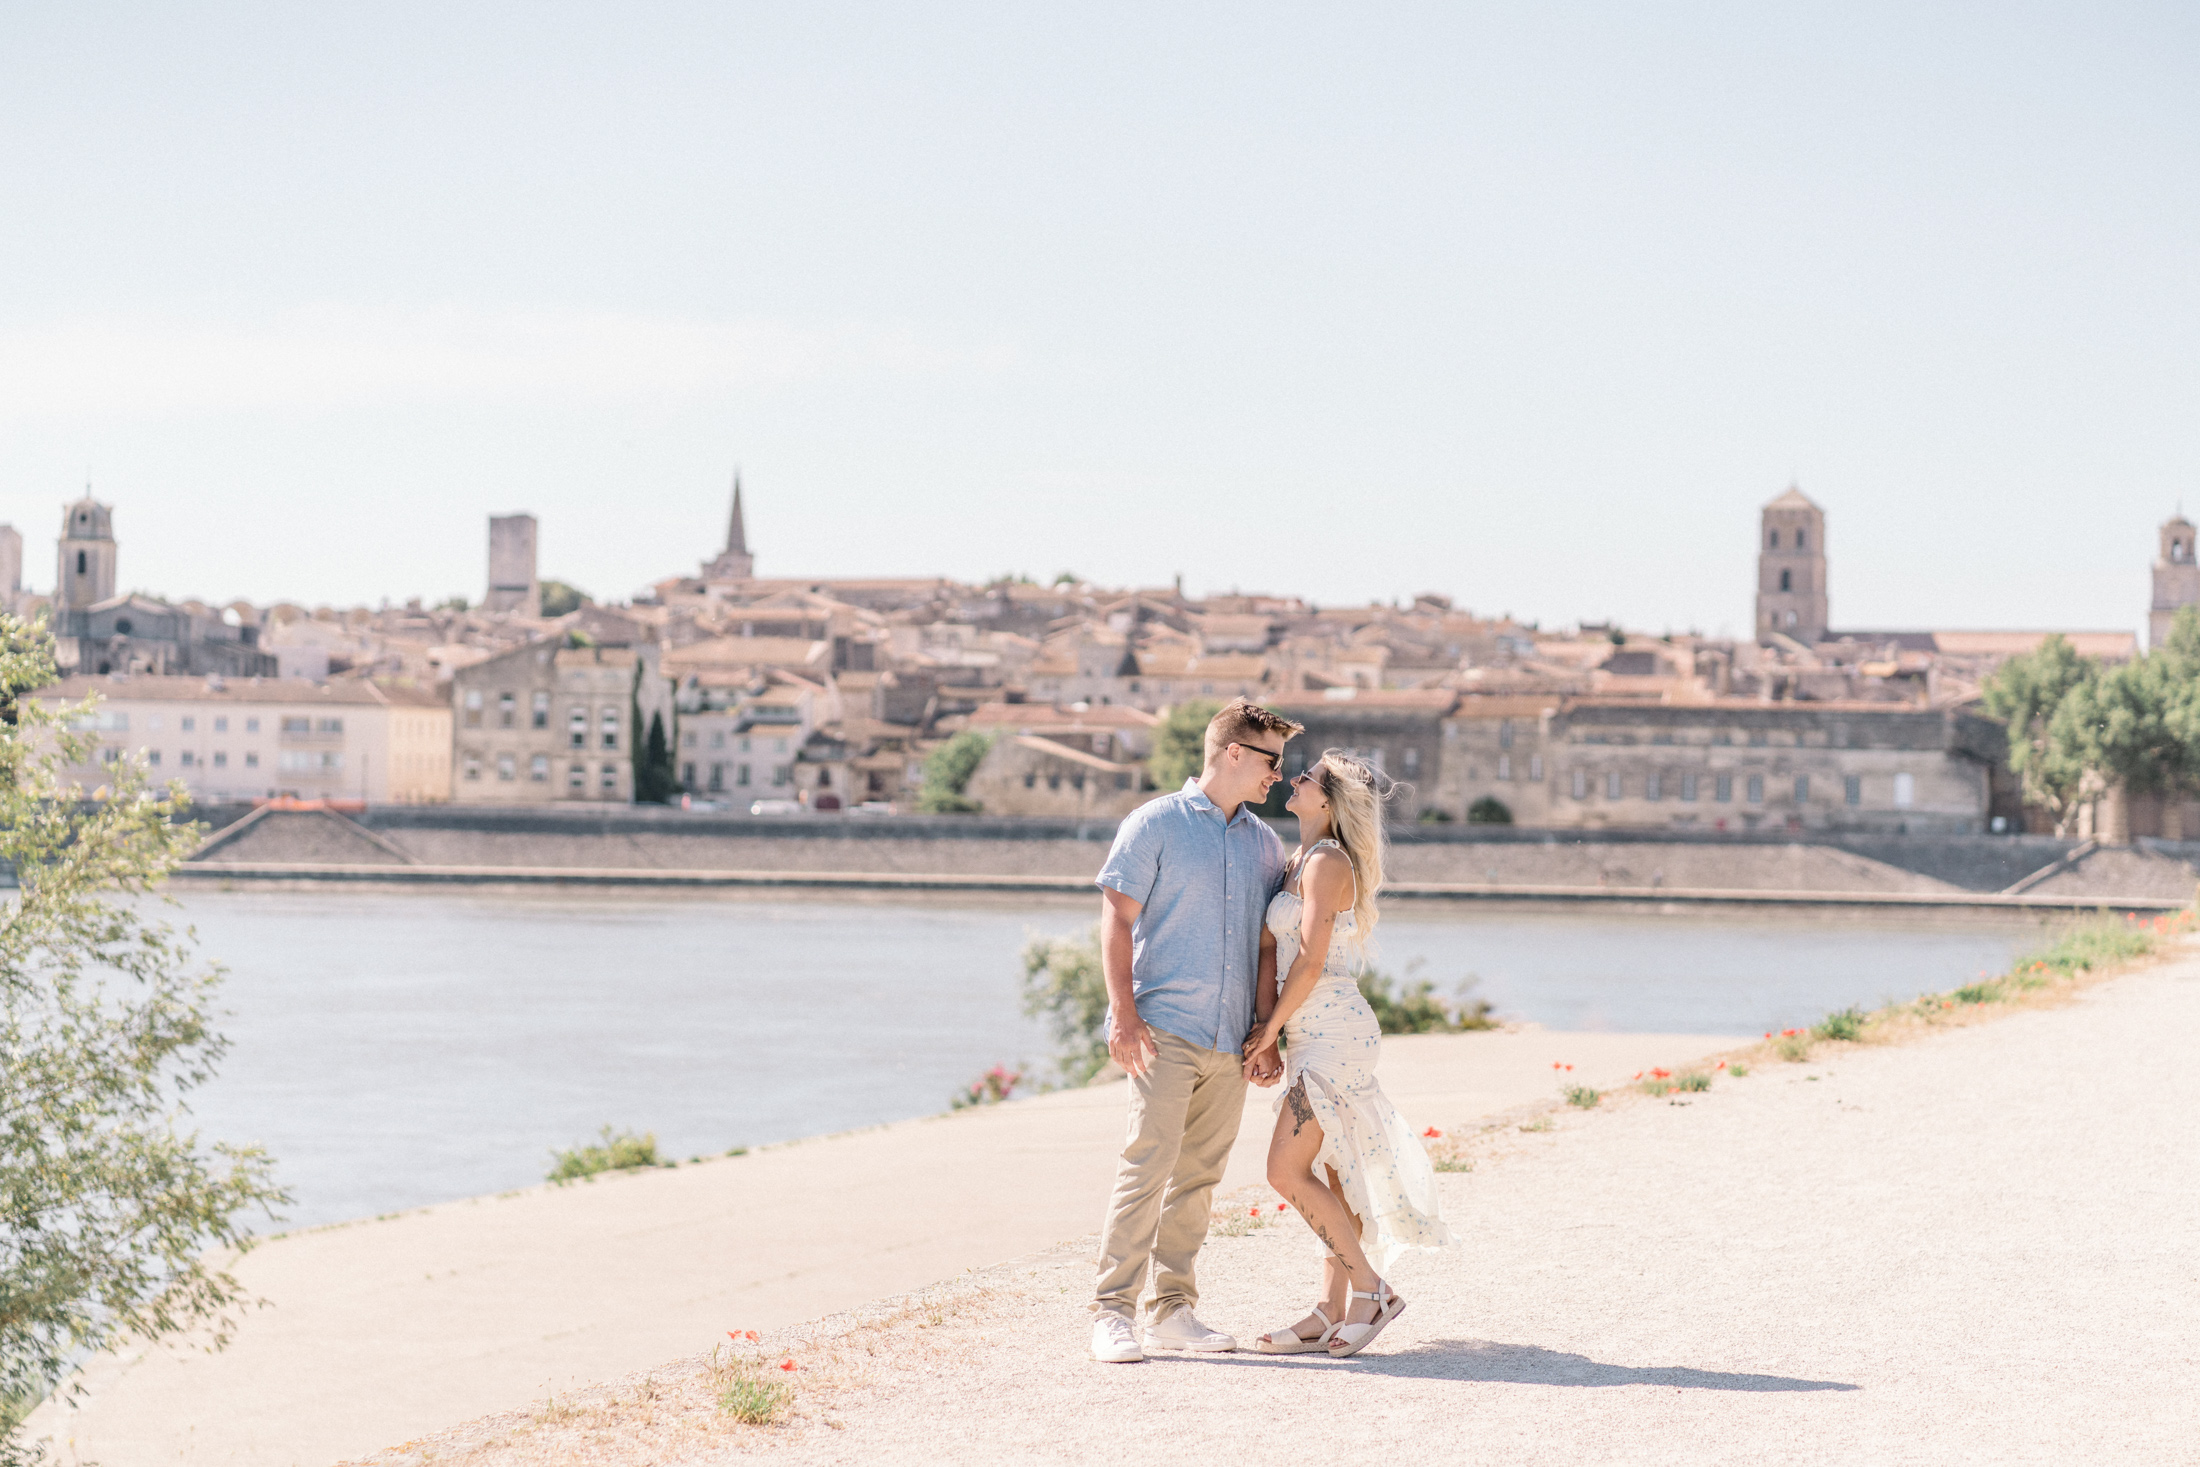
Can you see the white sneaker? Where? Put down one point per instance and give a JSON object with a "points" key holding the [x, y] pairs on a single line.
{"points": [[1113, 1341], [1180, 1331]]}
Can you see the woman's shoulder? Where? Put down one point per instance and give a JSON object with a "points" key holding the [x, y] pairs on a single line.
{"points": [[1327, 869]]}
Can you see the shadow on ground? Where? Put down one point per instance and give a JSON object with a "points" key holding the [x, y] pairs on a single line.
{"points": [[1488, 1360]]}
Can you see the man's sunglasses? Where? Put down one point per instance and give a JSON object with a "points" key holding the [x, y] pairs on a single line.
{"points": [[1275, 760]]}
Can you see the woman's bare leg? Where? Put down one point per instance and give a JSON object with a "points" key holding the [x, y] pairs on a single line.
{"points": [[1291, 1153]]}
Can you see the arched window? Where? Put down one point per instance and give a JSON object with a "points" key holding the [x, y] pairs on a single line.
{"points": [[1772, 540], [1802, 539], [1787, 580], [80, 562]]}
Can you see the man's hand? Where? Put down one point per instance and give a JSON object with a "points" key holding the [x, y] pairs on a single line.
{"points": [[1130, 1043], [1264, 1067]]}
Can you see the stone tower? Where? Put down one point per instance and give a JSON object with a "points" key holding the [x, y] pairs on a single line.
{"points": [[2176, 579], [85, 572], [1791, 570], [734, 563], [512, 583], [11, 563]]}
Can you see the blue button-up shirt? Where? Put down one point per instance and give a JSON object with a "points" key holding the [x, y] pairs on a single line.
{"points": [[1203, 887]]}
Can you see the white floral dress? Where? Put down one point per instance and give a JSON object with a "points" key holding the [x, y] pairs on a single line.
{"points": [[1331, 1045]]}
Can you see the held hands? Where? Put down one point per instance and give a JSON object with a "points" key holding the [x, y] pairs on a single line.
{"points": [[1263, 1062], [1130, 1043]]}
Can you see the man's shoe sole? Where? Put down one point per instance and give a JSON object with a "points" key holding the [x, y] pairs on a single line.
{"points": [[1223, 1349]]}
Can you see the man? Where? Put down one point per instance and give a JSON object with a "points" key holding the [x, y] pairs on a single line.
{"points": [[1184, 894]]}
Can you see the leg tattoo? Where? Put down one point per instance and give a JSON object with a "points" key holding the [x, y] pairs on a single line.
{"points": [[1301, 1112]]}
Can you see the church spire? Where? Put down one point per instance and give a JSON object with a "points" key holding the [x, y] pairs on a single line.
{"points": [[737, 535]]}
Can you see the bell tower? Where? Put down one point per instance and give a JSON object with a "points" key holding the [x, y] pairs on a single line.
{"points": [[1791, 570], [734, 563], [85, 565], [2176, 579]]}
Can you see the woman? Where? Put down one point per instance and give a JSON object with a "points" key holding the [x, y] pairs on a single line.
{"points": [[1341, 1155]]}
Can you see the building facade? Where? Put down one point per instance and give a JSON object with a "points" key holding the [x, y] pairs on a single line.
{"points": [[1791, 570], [513, 583], [550, 724], [259, 738]]}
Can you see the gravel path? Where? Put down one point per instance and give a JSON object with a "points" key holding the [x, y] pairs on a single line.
{"points": [[1981, 1246]]}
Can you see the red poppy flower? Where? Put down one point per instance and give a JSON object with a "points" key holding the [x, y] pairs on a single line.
{"points": [[1638, 1074], [788, 1365], [1283, 1207], [1432, 1134], [1252, 1212], [1660, 1074]]}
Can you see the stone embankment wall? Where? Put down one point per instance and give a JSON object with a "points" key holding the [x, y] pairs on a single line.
{"points": [[644, 839]]}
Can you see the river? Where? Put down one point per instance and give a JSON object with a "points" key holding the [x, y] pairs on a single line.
{"points": [[394, 1048]]}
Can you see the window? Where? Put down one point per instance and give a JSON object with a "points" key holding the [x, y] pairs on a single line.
{"points": [[1756, 789], [252, 725], [688, 740], [1031, 780], [718, 776], [1535, 768], [473, 766], [717, 738], [221, 725], [577, 777], [1413, 762], [330, 725], [221, 759], [1791, 618], [538, 769], [1787, 580], [152, 723], [1054, 780], [297, 725], [576, 729], [779, 775], [1505, 766], [779, 746], [1802, 789], [1852, 789], [507, 767], [189, 724], [473, 708], [110, 755], [1688, 788], [80, 562], [1723, 789], [1757, 738], [610, 728], [152, 757], [610, 777], [540, 718], [507, 710], [1504, 733], [1581, 784], [252, 758], [1772, 540], [741, 776], [1613, 789], [1802, 539], [184, 758], [1905, 790], [744, 743], [1653, 787]]}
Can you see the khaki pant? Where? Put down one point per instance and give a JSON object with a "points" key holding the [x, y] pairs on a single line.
{"points": [[1185, 1112]]}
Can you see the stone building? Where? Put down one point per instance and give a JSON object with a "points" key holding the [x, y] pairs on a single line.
{"points": [[513, 584], [742, 741], [1744, 765], [1791, 570], [1033, 774], [546, 723], [1495, 746], [233, 739], [1398, 731], [97, 632], [2176, 579], [84, 558]]}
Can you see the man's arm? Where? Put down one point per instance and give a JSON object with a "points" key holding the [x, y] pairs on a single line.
{"points": [[1130, 1044], [1266, 1067]]}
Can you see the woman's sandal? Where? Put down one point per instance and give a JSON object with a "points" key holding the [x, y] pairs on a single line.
{"points": [[1295, 1343], [1347, 1340]]}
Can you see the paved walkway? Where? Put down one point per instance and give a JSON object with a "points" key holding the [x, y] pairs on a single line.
{"points": [[1982, 1246], [384, 1331]]}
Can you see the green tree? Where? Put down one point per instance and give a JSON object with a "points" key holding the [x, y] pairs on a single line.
{"points": [[1489, 810], [1410, 1005], [2048, 747], [1063, 984], [1180, 744], [559, 597], [655, 779], [113, 1214], [947, 772]]}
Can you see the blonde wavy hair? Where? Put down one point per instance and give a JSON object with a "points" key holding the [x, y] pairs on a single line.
{"points": [[1357, 792]]}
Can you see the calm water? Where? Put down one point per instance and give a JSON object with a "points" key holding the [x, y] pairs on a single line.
{"points": [[397, 1048]]}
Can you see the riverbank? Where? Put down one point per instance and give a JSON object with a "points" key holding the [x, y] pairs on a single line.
{"points": [[385, 1330], [1755, 1272], [670, 848]]}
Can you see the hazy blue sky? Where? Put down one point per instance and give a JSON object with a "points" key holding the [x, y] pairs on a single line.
{"points": [[1532, 304]]}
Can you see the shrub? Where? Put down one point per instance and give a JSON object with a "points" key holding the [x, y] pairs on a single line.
{"points": [[1583, 1096], [1435, 815], [1692, 1080], [1738, 1071], [2100, 941], [1489, 810], [1983, 992], [1847, 1024], [990, 1088], [752, 1398], [1793, 1045], [1180, 743], [1412, 1007], [623, 1151], [947, 771], [1063, 985]]}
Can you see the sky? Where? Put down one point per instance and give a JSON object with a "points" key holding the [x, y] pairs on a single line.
{"points": [[1532, 305]]}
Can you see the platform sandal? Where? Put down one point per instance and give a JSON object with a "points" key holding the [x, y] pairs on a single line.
{"points": [[1294, 1343], [1347, 1340]]}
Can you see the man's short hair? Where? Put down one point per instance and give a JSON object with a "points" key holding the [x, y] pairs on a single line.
{"points": [[1239, 720]]}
